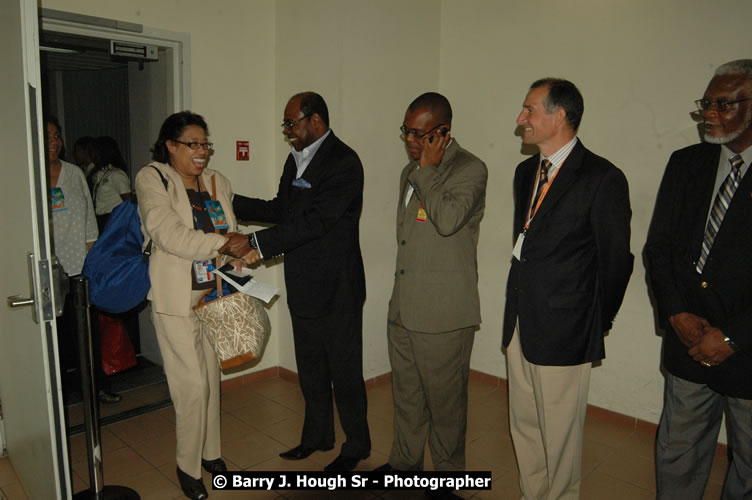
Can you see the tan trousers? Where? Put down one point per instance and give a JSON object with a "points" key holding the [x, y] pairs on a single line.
{"points": [[193, 378], [547, 406]]}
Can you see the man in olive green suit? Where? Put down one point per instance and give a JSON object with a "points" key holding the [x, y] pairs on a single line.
{"points": [[434, 310]]}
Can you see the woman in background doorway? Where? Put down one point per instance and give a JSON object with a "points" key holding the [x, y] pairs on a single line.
{"points": [[83, 153], [110, 185]]}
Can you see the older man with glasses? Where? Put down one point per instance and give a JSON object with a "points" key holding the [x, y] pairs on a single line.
{"points": [[698, 258], [317, 213]]}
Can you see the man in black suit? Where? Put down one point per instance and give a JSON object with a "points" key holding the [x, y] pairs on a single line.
{"points": [[699, 260], [570, 268], [316, 212]]}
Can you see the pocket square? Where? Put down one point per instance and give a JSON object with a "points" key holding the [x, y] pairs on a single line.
{"points": [[301, 183]]}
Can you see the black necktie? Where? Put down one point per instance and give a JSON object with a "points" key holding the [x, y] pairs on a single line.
{"points": [[720, 206]]}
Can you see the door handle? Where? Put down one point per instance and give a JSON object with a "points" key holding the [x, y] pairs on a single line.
{"points": [[18, 301], [60, 289]]}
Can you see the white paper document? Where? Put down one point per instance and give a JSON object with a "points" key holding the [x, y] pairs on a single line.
{"points": [[261, 291]]}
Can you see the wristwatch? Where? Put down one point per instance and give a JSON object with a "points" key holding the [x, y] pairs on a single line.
{"points": [[731, 343], [252, 241]]}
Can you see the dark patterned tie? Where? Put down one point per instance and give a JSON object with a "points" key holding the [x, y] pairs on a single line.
{"points": [[542, 181], [720, 206]]}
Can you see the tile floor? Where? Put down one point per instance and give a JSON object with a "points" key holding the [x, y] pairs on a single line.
{"points": [[261, 419], [136, 398]]}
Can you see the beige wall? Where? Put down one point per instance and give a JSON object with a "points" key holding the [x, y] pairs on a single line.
{"points": [[639, 65], [368, 60], [232, 79]]}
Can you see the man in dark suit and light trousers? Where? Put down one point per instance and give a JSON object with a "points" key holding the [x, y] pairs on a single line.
{"points": [[317, 213], [699, 261], [570, 268]]}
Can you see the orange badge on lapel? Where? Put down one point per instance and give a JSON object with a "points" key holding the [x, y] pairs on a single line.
{"points": [[422, 215]]}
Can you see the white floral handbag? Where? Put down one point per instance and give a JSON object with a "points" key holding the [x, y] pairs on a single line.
{"points": [[236, 325]]}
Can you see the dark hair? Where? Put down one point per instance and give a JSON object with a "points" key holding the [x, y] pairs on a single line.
{"points": [[434, 102], [562, 94], [86, 142], [107, 152], [51, 119], [170, 131], [311, 103]]}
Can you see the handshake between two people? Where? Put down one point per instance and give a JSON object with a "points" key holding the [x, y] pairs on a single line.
{"points": [[238, 246]]}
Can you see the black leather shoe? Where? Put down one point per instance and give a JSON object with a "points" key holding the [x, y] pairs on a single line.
{"points": [[192, 488], [343, 464], [216, 465], [300, 452], [386, 468], [108, 397]]}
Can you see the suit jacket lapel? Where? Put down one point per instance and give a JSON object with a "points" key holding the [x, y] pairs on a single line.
{"points": [[403, 226], [288, 175], [404, 214], [317, 162], [567, 174], [182, 204], [736, 215], [701, 186], [744, 191], [312, 172]]}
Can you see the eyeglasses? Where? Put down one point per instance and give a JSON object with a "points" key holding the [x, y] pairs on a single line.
{"points": [[705, 104], [417, 133], [209, 146], [292, 123]]}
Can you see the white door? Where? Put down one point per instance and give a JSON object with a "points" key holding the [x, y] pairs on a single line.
{"points": [[29, 380]]}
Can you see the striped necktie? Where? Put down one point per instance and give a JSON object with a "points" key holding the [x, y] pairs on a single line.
{"points": [[720, 206], [542, 181]]}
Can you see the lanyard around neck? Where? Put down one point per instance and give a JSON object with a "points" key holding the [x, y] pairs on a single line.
{"points": [[532, 210]]}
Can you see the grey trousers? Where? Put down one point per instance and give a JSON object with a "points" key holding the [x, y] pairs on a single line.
{"points": [[429, 387], [687, 438]]}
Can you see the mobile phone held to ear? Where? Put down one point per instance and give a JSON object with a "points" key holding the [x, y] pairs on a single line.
{"points": [[443, 132]]}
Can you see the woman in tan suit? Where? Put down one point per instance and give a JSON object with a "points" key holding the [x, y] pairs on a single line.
{"points": [[175, 217]]}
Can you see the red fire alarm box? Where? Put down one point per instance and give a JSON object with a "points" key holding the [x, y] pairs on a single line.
{"points": [[242, 150]]}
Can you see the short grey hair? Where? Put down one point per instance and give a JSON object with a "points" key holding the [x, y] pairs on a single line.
{"points": [[738, 67]]}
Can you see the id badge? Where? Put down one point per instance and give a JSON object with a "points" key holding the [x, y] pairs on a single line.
{"points": [[217, 214], [203, 270], [517, 250], [422, 215], [57, 199]]}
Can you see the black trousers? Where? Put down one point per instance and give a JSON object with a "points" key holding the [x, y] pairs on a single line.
{"points": [[329, 355], [67, 341]]}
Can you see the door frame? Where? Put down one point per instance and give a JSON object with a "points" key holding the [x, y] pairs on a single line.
{"points": [[98, 27], [36, 434]]}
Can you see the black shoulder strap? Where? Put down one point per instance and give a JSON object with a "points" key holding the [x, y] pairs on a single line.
{"points": [[147, 249], [161, 176]]}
